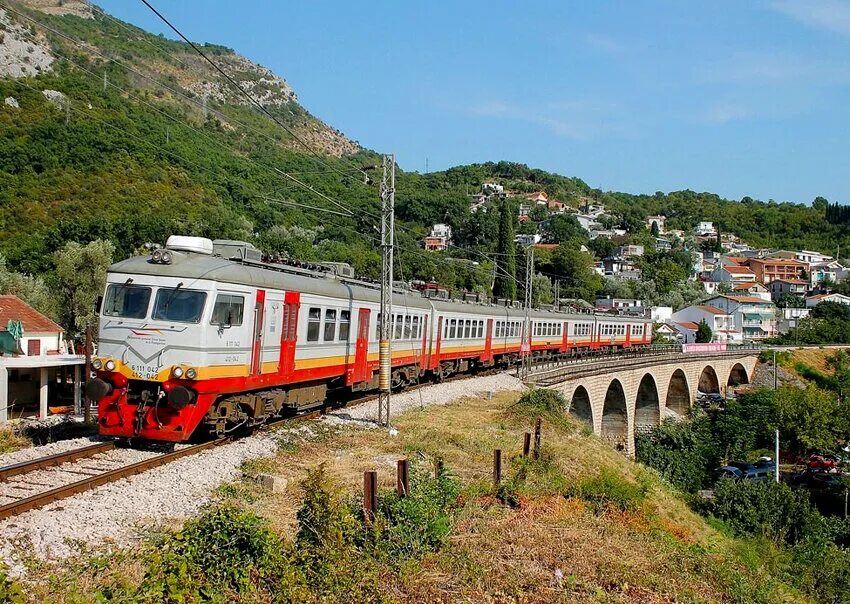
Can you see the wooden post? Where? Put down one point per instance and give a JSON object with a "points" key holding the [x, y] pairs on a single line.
{"points": [[370, 496], [403, 478], [526, 444], [87, 403], [438, 468], [537, 428], [497, 467]]}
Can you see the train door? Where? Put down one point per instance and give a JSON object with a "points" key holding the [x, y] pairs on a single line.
{"points": [[272, 326], [435, 360], [361, 347], [628, 335], [288, 332], [565, 340], [488, 342], [257, 345]]}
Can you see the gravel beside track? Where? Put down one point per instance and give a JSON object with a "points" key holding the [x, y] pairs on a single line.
{"points": [[60, 446], [116, 514]]}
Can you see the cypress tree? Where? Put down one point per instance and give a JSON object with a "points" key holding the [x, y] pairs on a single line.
{"points": [[505, 283]]}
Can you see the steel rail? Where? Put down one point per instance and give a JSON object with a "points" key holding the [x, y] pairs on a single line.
{"points": [[25, 467]]}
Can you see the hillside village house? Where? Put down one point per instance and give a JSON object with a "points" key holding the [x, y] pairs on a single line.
{"points": [[751, 289], [705, 229], [627, 251], [770, 269], [825, 272], [789, 318], [753, 317], [784, 287], [608, 304], [722, 323], [35, 367], [813, 301], [732, 273], [439, 238], [686, 331]]}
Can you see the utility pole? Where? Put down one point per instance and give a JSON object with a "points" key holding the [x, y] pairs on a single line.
{"points": [[385, 321], [776, 440], [525, 349]]}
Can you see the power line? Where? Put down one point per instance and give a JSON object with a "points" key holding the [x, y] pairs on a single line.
{"points": [[200, 133], [241, 89]]}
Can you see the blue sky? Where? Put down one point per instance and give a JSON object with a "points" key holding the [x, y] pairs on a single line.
{"points": [[739, 98]]}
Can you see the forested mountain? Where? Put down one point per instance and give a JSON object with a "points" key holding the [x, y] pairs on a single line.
{"points": [[108, 132]]}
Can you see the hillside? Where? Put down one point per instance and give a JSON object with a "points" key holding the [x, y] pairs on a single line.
{"points": [[109, 132], [581, 524]]}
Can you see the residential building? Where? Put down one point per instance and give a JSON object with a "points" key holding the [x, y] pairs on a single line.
{"points": [[660, 314], [662, 244], [751, 288], [628, 251], [614, 265], [656, 220], [754, 317], [779, 288], [491, 188], [824, 272], [710, 286], [538, 197], [705, 229], [686, 331], [813, 301], [725, 273], [586, 221], [666, 332], [35, 366], [721, 322], [788, 318], [439, 238], [619, 304], [527, 240], [556, 206], [769, 269]]}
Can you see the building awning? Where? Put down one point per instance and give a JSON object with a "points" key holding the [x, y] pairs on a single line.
{"points": [[757, 317]]}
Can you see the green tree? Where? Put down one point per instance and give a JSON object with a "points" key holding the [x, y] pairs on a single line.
{"points": [[505, 283], [32, 290], [541, 291], [831, 311], [562, 228], [81, 271], [653, 230], [810, 419], [602, 247], [840, 365], [703, 333], [574, 268], [820, 204]]}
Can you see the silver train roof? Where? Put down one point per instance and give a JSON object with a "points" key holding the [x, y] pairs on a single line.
{"points": [[221, 270]]}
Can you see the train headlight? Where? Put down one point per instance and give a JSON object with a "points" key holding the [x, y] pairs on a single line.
{"points": [[177, 372], [166, 257], [110, 365], [191, 373], [97, 364], [156, 256]]}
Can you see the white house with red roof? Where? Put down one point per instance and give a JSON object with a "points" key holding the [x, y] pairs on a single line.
{"points": [[732, 273], [813, 301], [722, 323], [753, 316], [36, 369]]}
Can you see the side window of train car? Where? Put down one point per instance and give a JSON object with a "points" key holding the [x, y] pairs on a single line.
{"points": [[314, 320], [228, 310], [407, 331], [344, 324], [330, 325], [452, 328], [399, 325]]}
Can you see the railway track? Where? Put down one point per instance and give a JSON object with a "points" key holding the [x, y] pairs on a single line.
{"points": [[30, 474]]}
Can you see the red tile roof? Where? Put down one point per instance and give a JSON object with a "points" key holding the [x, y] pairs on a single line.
{"points": [[777, 261], [737, 259], [747, 285], [792, 281], [755, 299], [738, 270], [12, 308], [688, 325], [711, 309]]}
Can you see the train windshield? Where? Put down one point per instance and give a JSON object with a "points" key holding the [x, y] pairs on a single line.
{"points": [[180, 305], [126, 301]]}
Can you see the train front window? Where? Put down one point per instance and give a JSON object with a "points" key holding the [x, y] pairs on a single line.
{"points": [[179, 305], [126, 301]]}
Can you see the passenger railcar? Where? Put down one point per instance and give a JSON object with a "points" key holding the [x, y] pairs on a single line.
{"points": [[190, 338]]}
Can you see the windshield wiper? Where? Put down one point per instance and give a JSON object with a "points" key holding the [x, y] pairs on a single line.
{"points": [[171, 297]]}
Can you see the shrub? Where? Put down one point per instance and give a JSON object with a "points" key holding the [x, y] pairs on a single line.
{"points": [[769, 509], [609, 489], [684, 453], [10, 591], [543, 399]]}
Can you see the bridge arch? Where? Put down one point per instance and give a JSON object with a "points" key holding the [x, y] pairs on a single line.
{"points": [[708, 382], [580, 406], [737, 375], [615, 423], [647, 405], [678, 393]]}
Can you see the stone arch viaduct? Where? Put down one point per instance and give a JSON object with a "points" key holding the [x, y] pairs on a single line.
{"points": [[620, 398]]}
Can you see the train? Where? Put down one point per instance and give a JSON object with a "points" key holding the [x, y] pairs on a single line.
{"points": [[203, 337]]}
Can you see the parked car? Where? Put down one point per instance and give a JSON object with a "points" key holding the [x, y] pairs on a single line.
{"points": [[827, 463], [818, 480], [742, 471]]}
